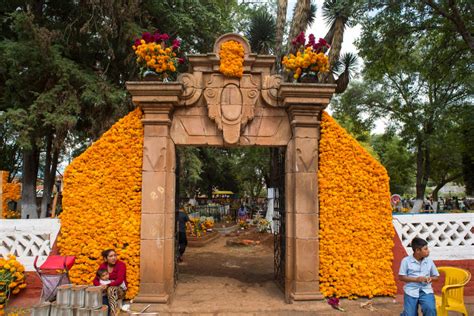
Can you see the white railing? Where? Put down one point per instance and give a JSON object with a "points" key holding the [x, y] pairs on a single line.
{"points": [[28, 238], [449, 236]]}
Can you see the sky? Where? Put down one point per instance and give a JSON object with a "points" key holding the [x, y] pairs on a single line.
{"points": [[319, 29]]}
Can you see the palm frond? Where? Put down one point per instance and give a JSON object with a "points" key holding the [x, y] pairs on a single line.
{"points": [[334, 9], [261, 32], [312, 13], [346, 67]]}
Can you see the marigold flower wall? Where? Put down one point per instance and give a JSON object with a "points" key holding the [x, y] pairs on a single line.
{"points": [[102, 202], [356, 245], [10, 192]]}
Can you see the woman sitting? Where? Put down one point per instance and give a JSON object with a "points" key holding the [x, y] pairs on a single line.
{"points": [[118, 280]]}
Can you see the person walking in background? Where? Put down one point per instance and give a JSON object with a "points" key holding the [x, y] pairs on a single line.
{"points": [[418, 271], [181, 219]]}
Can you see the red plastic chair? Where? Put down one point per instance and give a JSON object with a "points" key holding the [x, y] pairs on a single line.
{"points": [[53, 273]]}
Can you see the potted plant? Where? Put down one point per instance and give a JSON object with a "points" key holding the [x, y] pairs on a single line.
{"points": [[158, 56], [308, 60]]}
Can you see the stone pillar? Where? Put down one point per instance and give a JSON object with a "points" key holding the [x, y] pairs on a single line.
{"points": [[304, 104], [157, 101]]}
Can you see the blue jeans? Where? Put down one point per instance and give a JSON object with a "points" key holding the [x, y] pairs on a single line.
{"points": [[427, 302]]}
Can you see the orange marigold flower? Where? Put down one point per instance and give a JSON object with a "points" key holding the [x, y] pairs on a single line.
{"points": [[355, 218]]}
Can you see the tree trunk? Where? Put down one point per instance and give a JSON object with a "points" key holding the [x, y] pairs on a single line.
{"points": [[28, 193], [300, 20], [280, 29], [439, 186], [47, 176], [422, 173], [49, 179], [337, 34]]}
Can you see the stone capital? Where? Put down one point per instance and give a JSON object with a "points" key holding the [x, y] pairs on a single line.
{"points": [[156, 99], [315, 94]]}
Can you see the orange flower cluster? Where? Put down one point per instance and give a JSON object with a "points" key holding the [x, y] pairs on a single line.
{"points": [[10, 192], [12, 279], [232, 59], [306, 61], [102, 202], [356, 232], [154, 56]]}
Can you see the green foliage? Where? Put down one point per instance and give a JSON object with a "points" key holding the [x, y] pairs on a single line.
{"points": [[240, 170], [261, 32], [398, 161], [420, 69]]}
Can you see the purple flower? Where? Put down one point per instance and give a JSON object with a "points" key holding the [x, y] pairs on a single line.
{"points": [[137, 42], [148, 38], [333, 301], [181, 60], [165, 37]]}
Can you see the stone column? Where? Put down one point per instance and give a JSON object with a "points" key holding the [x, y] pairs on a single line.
{"points": [[304, 104], [157, 101]]}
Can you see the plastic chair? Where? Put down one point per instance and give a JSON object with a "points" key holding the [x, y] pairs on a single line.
{"points": [[53, 273], [452, 298]]}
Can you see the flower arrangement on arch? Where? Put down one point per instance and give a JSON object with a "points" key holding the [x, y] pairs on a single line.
{"points": [[231, 56], [309, 59], [158, 54]]}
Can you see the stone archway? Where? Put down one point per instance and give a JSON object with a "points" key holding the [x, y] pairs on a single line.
{"points": [[205, 108]]}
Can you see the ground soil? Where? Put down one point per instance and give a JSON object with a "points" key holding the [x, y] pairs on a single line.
{"points": [[218, 279]]}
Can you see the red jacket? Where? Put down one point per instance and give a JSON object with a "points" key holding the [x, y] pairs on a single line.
{"points": [[117, 276]]}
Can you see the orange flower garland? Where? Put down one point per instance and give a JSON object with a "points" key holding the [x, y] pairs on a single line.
{"points": [[102, 202], [10, 192], [12, 276], [355, 218], [232, 59]]}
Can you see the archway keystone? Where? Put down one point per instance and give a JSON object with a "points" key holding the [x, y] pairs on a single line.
{"points": [[204, 108]]}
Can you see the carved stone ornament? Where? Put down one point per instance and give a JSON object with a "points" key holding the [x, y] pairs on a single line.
{"points": [[231, 104], [192, 88], [271, 84]]}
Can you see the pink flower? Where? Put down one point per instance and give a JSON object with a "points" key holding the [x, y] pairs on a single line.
{"points": [[181, 60], [176, 43], [148, 38], [165, 37]]}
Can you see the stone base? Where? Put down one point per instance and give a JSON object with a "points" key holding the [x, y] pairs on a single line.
{"points": [[307, 296], [150, 299], [202, 241]]}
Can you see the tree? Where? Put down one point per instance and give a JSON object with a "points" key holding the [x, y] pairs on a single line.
{"points": [[339, 14], [280, 29], [190, 170], [446, 163], [252, 169], [398, 161], [459, 13], [10, 153], [420, 74], [261, 32], [467, 148], [62, 70]]}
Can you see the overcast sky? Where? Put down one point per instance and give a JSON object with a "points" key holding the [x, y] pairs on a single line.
{"points": [[319, 28]]}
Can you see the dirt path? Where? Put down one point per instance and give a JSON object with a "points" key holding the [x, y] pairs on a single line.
{"points": [[220, 280]]}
